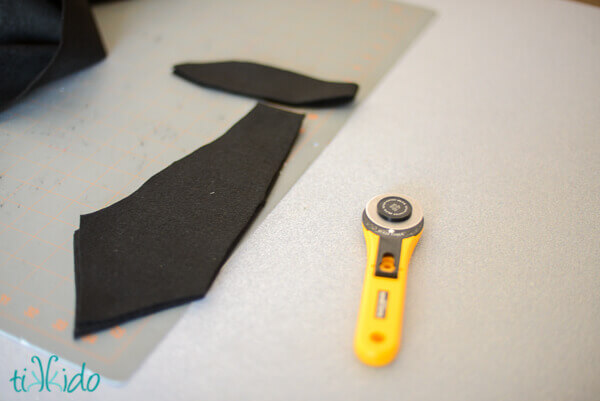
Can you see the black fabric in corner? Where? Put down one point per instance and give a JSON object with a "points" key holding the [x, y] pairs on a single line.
{"points": [[164, 244], [269, 83], [42, 40]]}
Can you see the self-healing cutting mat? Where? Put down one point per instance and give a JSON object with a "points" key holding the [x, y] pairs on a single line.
{"points": [[86, 141]]}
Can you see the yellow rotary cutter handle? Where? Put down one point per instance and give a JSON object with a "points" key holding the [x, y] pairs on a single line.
{"points": [[392, 225]]}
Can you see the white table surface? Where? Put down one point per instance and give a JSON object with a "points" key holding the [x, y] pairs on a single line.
{"points": [[492, 121]]}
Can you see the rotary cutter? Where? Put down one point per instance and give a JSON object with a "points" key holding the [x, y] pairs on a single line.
{"points": [[392, 225]]}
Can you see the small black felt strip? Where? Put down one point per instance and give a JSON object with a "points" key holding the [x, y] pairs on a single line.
{"points": [[269, 83], [164, 244], [42, 40]]}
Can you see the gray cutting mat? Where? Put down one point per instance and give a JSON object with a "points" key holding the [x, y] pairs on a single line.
{"points": [[86, 141]]}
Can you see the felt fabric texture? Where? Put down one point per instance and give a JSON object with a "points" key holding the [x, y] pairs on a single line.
{"points": [[164, 244], [43, 40], [268, 83]]}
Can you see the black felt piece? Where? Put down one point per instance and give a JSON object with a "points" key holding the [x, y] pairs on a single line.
{"points": [[269, 83], [164, 244], [42, 40]]}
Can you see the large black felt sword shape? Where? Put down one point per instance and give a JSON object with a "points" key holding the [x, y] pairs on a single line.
{"points": [[164, 244]]}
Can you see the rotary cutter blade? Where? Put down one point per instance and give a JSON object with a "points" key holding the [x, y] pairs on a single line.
{"points": [[392, 225]]}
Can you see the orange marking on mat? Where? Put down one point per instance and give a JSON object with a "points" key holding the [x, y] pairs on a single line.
{"points": [[32, 312], [69, 343], [4, 299], [60, 325], [312, 116], [91, 339], [117, 332]]}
